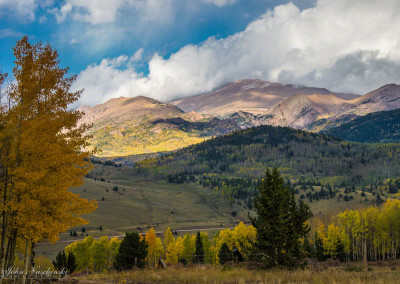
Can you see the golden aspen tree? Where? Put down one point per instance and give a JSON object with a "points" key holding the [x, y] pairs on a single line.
{"points": [[242, 237], [332, 237], [168, 238], [44, 152], [114, 246], [172, 254], [208, 253], [151, 241], [99, 250], [188, 247]]}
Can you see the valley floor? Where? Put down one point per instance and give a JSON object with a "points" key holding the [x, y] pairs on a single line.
{"points": [[389, 273]]}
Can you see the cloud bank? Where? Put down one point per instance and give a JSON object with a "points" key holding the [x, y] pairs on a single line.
{"points": [[23, 9], [343, 45], [106, 11]]}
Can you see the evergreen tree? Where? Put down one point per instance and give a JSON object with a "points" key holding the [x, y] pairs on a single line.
{"points": [[307, 247], [131, 252], [225, 254], [280, 224], [340, 253], [61, 261], [71, 263], [319, 248], [199, 252]]}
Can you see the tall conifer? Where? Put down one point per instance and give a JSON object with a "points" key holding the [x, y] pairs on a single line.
{"points": [[280, 224]]}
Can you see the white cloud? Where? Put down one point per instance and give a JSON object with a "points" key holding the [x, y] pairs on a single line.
{"points": [[24, 9], [344, 45], [106, 11], [221, 3], [9, 33], [138, 55]]}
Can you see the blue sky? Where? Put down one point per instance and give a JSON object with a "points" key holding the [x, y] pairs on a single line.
{"points": [[82, 42], [169, 49]]}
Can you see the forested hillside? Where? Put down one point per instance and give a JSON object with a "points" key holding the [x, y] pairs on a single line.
{"points": [[372, 128], [235, 163]]}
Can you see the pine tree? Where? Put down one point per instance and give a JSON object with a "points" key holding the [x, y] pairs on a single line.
{"points": [[61, 261], [199, 252], [71, 262], [225, 254], [280, 224], [319, 248], [132, 251]]}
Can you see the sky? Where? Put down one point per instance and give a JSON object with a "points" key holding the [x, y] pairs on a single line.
{"points": [[169, 49]]}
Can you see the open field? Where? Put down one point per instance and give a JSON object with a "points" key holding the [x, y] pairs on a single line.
{"points": [[141, 203], [209, 274]]}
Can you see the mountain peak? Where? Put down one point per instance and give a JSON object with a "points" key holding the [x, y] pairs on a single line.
{"points": [[249, 95]]}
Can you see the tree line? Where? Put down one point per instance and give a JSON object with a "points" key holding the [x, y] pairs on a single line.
{"points": [[371, 233], [234, 163], [280, 236], [106, 254]]}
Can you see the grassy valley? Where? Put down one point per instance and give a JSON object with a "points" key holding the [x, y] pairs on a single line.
{"points": [[141, 203]]}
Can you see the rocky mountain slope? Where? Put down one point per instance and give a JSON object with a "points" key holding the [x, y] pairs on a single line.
{"points": [[140, 125], [301, 112], [253, 96]]}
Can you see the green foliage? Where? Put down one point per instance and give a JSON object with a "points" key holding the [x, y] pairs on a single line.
{"points": [[71, 264], [64, 261], [199, 252], [280, 224], [375, 127], [61, 261], [225, 254], [234, 164], [319, 248], [132, 252]]}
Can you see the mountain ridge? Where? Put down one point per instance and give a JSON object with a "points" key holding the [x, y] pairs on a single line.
{"points": [[141, 125], [254, 96]]}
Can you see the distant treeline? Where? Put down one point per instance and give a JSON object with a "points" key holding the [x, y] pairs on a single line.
{"points": [[235, 163], [375, 127]]}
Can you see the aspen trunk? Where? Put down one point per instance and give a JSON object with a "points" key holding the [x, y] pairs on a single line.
{"points": [[3, 244], [4, 230], [365, 260], [26, 259], [11, 247]]}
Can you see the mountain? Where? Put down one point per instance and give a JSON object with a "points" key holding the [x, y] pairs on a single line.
{"points": [[322, 112], [376, 127], [300, 110], [127, 109], [252, 96], [383, 99], [141, 125]]}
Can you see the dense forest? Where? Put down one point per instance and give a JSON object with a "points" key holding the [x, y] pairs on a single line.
{"points": [[375, 127], [235, 163]]}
